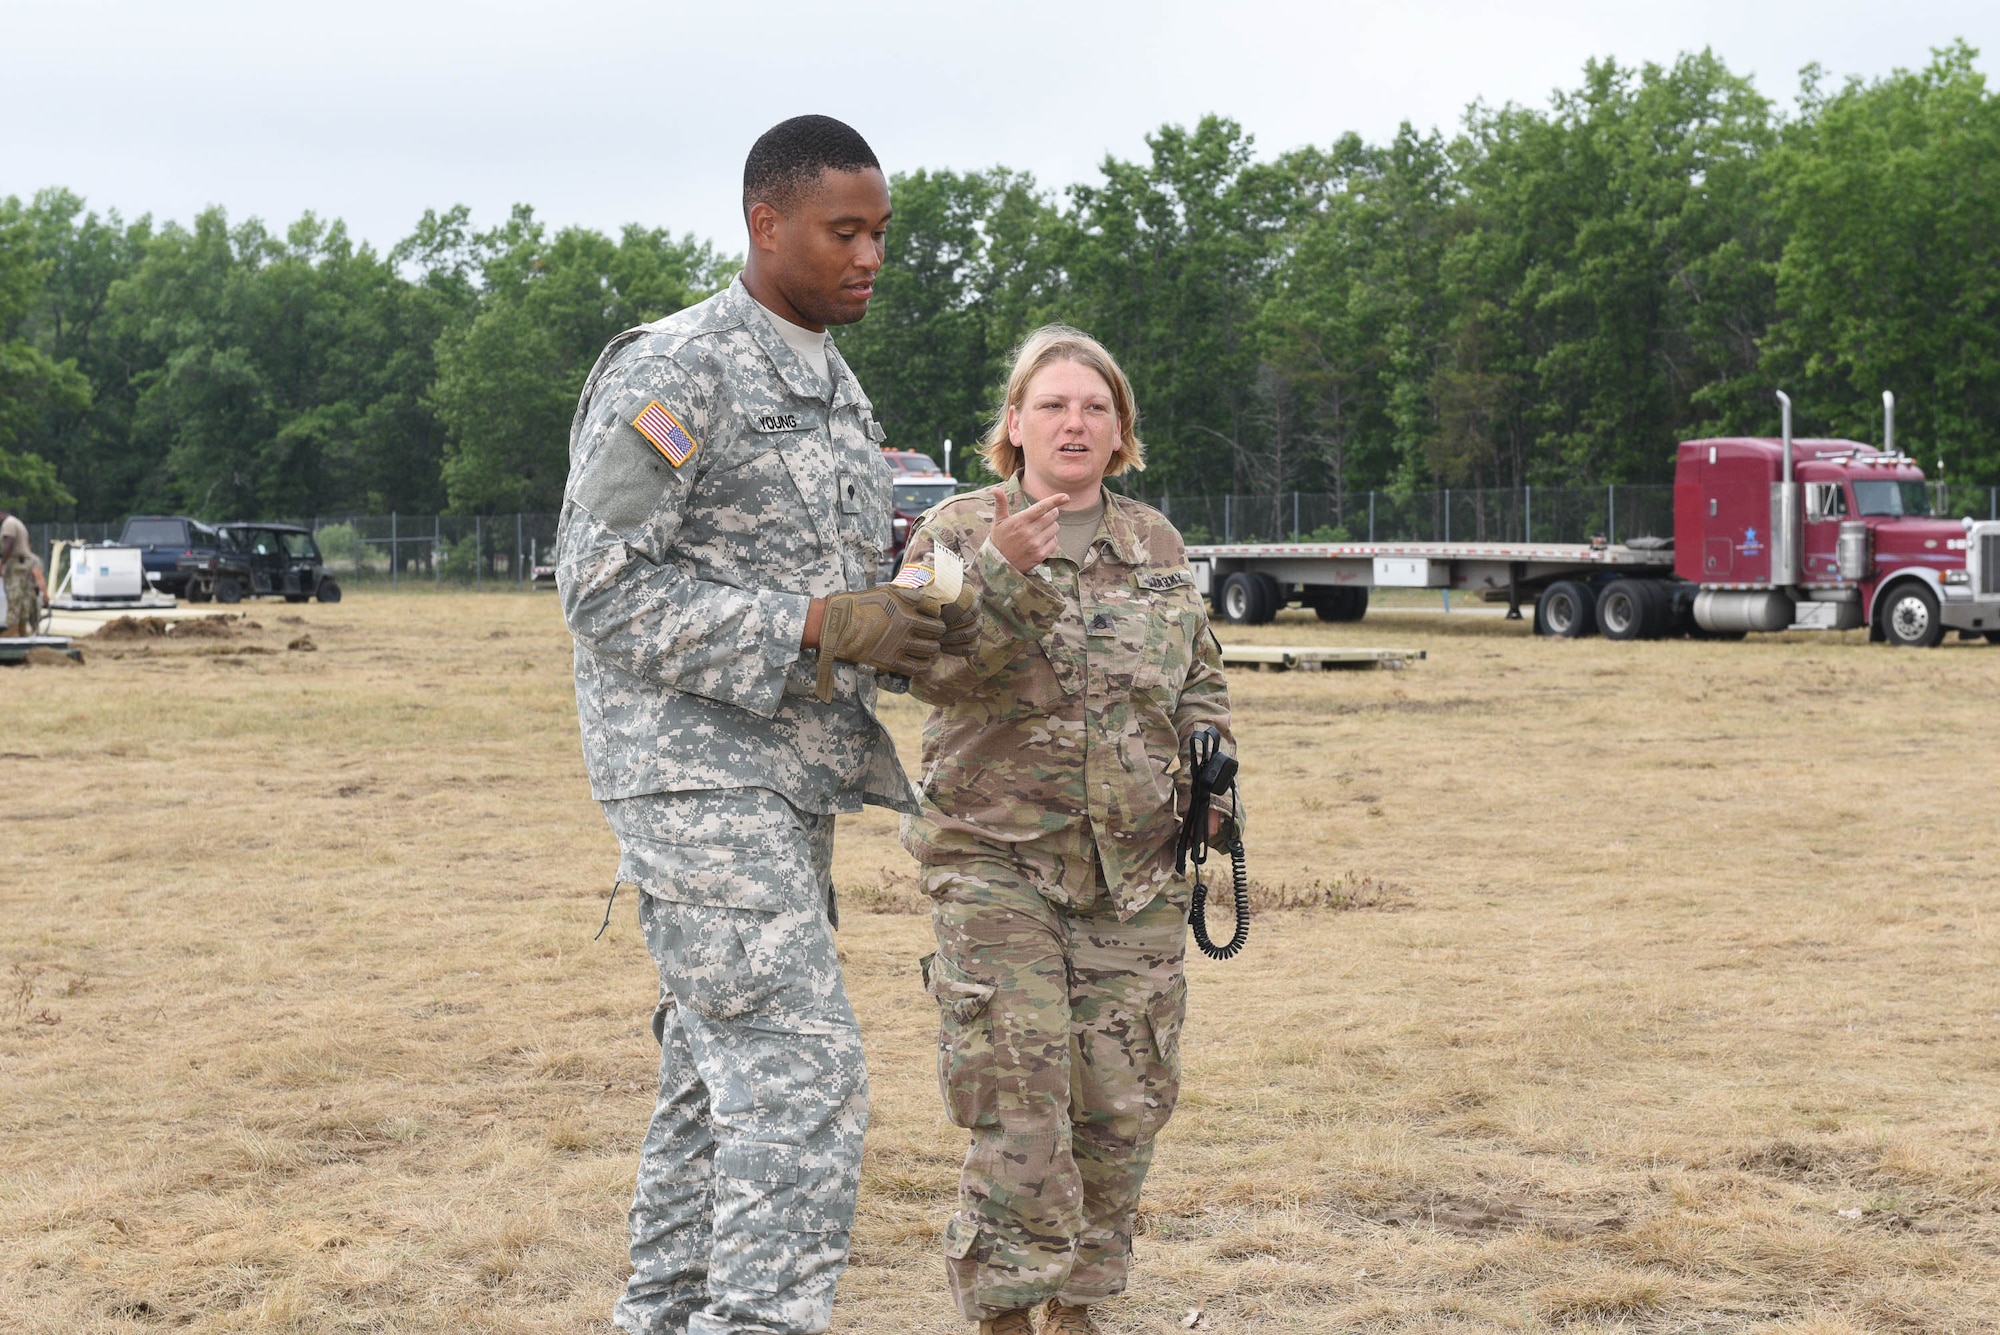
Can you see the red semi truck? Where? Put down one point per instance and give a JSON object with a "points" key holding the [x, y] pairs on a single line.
{"points": [[1769, 535]]}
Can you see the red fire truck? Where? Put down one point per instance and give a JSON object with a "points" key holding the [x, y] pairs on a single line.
{"points": [[1769, 535]]}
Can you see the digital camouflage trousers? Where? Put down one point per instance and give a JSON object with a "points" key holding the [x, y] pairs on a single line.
{"points": [[746, 1183], [1059, 1049]]}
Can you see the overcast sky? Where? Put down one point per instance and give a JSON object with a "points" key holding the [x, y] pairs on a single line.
{"points": [[602, 114]]}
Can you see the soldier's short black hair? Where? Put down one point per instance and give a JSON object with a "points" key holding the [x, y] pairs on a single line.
{"points": [[791, 155]]}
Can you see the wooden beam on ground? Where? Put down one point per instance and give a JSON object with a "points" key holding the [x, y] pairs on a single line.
{"points": [[1286, 658]]}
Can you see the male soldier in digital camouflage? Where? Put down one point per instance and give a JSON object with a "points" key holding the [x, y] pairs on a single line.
{"points": [[726, 513], [1051, 804]]}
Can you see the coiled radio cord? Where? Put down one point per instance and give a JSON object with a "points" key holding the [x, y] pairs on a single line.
{"points": [[1214, 772]]}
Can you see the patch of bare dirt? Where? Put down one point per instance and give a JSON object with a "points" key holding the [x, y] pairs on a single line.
{"points": [[1470, 1216]]}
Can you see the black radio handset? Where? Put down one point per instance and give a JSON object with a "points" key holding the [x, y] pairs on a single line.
{"points": [[1214, 772]]}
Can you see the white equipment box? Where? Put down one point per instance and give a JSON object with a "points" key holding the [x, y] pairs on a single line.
{"points": [[1410, 572], [104, 573]]}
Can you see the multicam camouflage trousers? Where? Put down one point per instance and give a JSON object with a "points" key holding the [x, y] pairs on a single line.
{"points": [[747, 1178], [1059, 1048], [23, 605]]}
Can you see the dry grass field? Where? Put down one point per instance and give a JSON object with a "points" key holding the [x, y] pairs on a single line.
{"points": [[1623, 987]]}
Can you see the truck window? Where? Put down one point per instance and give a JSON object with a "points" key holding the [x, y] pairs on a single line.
{"points": [[154, 533], [1825, 500], [917, 497], [299, 546], [1891, 498]]}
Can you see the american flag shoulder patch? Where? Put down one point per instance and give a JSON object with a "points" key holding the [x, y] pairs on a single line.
{"points": [[666, 433], [915, 577]]}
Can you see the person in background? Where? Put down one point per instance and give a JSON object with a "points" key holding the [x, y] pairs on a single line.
{"points": [[1050, 810], [21, 570]]}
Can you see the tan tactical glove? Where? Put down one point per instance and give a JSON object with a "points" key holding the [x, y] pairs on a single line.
{"points": [[888, 628], [939, 581]]}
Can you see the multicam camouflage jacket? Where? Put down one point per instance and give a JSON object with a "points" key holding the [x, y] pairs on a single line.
{"points": [[715, 489], [1060, 741]]}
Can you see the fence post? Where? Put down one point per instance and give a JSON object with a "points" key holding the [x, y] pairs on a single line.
{"points": [[1610, 512], [1371, 515], [515, 560], [1295, 516], [1527, 513], [395, 552], [1993, 502], [1227, 532], [1447, 514], [437, 549], [478, 551]]}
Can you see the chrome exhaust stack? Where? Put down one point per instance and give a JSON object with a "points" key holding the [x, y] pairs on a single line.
{"points": [[1785, 508]]}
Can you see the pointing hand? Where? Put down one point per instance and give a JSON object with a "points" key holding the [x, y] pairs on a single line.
{"points": [[1030, 537]]}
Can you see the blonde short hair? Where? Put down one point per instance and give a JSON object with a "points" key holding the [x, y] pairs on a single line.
{"points": [[1060, 343]]}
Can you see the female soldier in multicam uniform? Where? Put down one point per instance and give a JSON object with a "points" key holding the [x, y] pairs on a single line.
{"points": [[1047, 828]]}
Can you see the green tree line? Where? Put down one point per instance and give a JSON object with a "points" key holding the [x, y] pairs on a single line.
{"points": [[1551, 295]]}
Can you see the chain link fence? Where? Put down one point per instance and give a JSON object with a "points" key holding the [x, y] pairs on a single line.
{"points": [[506, 551]]}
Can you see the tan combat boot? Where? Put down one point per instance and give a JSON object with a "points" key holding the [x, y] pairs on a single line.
{"points": [[1060, 1318], [1017, 1322]]}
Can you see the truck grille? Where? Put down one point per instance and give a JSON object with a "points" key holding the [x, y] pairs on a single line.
{"points": [[1989, 564]]}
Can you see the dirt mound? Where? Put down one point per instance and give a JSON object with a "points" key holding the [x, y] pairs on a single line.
{"points": [[131, 628], [207, 628], [149, 628], [304, 644]]}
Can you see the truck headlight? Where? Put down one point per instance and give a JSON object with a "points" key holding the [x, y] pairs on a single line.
{"points": [[1960, 576]]}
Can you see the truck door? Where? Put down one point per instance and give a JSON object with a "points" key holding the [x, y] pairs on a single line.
{"points": [[1826, 506], [267, 562]]}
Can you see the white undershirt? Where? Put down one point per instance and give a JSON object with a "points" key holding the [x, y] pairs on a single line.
{"points": [[810, 344]]}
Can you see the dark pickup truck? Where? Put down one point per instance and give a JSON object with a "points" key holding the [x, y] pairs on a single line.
{"points": [[164, 542], [254, 559]]}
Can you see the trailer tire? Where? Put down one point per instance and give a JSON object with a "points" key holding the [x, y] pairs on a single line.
{"points": [[1276, 596], [1993, 637], [1566, 610], [1340, 604], [1909, 616], [1629, 609], [1245, 600]]}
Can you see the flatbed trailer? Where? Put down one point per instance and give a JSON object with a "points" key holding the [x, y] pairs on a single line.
{"points": [[1769, 535], [1248, 583]]}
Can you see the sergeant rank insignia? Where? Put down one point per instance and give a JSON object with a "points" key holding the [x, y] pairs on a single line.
{"points": [[666, 433]]}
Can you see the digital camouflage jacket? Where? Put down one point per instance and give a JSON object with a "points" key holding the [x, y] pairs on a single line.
{"points": [[714, 491], [1061, 741]]}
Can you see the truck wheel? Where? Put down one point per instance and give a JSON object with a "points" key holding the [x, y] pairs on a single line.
{"points": [[1245, 601], [1276, 596], [1566, 610], [1341, 604], [329, 592], [1910, 617], [228, 591], [1626, 610], [1993, 637]]}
